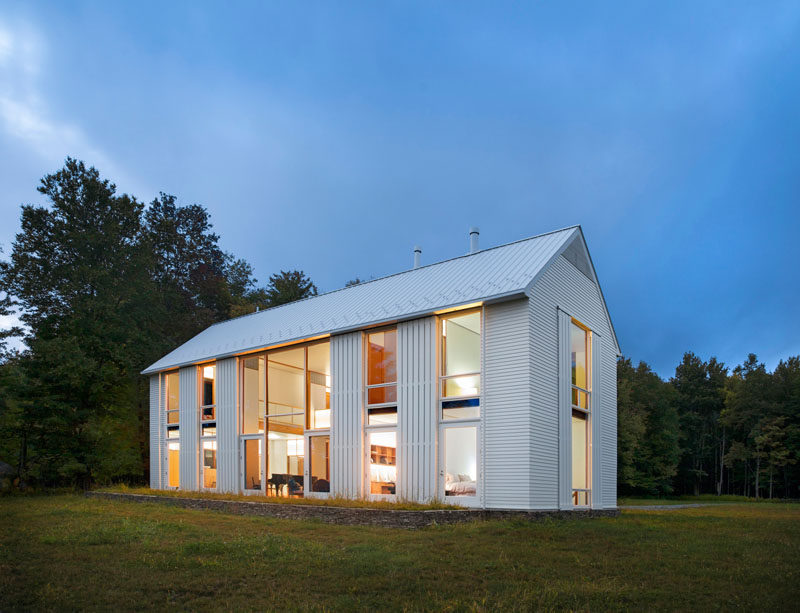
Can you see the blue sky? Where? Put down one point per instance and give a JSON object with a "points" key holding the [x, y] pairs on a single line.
{"points": [[332, 137]]}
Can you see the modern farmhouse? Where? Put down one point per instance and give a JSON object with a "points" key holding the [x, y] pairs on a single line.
{"points": [[486, 380]]}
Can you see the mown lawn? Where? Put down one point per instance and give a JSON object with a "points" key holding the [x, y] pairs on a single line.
{"points": [[69, 552]]}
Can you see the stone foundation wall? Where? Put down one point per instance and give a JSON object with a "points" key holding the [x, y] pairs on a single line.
{"points": [[353, 516]]}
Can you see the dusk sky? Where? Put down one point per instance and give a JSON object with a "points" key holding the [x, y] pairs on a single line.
{"points": [[333, 137]]}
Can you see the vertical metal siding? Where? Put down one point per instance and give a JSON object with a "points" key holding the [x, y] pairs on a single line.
{"points": [[608, 453], [417, 411], [156, 436], [189, 426], [564, 286], [227, 427], [564, 412], [346, 396], [507, 406], [597, 419]]}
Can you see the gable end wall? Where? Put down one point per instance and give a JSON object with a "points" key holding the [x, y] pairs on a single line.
{"points": [[564, 286]]}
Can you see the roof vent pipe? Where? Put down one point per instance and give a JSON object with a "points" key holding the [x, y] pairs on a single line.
{"points": [[473, 239], [417, 255]]}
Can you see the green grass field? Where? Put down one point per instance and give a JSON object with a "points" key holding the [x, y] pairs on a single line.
{"points": [[69, 552]]}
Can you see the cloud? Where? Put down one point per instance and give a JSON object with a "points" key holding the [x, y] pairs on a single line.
{"points": [[25, 116]]}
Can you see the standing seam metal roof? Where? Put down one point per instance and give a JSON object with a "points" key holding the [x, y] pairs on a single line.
{"points": [[490, 274]]}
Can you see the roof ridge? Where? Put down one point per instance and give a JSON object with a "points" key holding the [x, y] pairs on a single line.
{"points": [[395, 274]]}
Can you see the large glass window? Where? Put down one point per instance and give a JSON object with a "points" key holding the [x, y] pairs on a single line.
{"points": [[254, 394], [320, 463], [208, 401], [252, 464], [209, 465], [382, 377], [461, 461], [580, 356], [319, 386], [173, 463], [461, 365], [173, 404], [382, 462]]}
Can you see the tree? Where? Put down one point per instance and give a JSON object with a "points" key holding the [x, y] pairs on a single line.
{"points": [[352, 282], [78, 271], [289, 286], [647, 431], [700, 397]]}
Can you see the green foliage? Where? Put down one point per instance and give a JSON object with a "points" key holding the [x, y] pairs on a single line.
{"points": [[105, 286], [288, 286], [647, 431], [708, 431]]}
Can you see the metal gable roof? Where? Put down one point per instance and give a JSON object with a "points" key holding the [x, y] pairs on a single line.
{"points": [[490, 274]]}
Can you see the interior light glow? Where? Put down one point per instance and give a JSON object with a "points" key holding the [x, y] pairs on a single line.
{"points": [[466, 385], [208, 372]]}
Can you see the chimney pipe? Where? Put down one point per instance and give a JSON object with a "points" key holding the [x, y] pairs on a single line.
{"points": [[473, 239], [417, 255]]}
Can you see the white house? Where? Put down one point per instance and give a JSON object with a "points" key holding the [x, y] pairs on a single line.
{"points": [[486, 380]]}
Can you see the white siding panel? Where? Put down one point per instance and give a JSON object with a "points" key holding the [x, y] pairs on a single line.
{"points": [[227, 427], [346, 409], [417, 409], [189, 419], [564, 287], [564, 412], [156, 433], [608, 453], [597, 418], [506, 406]]}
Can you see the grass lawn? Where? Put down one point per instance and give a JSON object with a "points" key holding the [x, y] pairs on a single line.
{"points": [[69, 552]]}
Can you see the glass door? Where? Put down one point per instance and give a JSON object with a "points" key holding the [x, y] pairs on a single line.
{"points": [[252, 457], [381, 463], [318, 466], [458, 464]]}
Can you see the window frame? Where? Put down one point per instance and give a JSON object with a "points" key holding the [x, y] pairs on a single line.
{"points": [[586, 412], [380, 407], [442, 378]]}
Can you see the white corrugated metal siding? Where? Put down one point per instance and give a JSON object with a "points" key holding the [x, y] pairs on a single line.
{"points": [[608, 426], [564, 412], [597, 418], [189, 425], [227, 427], [564, 286], [346, 410], [156, 434], [506, 406], [489, 274], [417, 421]]}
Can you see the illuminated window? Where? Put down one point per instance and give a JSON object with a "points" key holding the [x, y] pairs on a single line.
{"points": [[173, 464], [208, 394], [382, 377], [382, 462], [254, 394], [209, 478], [319, 385], [172, 404], [580, 358], [460, 380]]}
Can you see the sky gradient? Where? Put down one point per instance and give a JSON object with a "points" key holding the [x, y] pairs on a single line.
{"points": [[333, 137]]}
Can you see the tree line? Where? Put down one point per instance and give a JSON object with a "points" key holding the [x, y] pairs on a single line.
{"points": [[105, 286], [709, 429]]}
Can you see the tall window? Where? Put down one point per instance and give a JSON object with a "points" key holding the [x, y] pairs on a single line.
{"points": [[382, 377], [208, 401], [580, 353], [298, 400], [173, 429], [461, 366], [208, 426], [172, 404]]}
